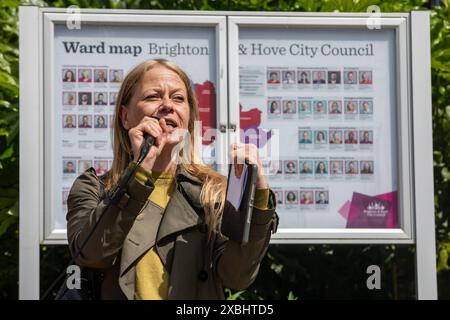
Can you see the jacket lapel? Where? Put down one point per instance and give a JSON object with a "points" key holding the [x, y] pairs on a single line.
{"points": [[153, 223], [179, 216], [141, 236]]}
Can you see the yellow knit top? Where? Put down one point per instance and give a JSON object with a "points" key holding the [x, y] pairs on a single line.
{"points": [[152, 279]]}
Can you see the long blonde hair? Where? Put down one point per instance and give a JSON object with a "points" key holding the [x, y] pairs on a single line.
{"points": [[212, 195]]}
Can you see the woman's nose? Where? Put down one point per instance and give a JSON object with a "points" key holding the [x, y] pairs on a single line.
{"points": [[166, 105]]}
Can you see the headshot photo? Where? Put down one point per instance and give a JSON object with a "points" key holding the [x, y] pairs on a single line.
{"points": [[334, 77], [275, 167], [100, 122], [69, 166], [84, 165], [116, 75], [289, 107], [351, 167], [351, 137], [85, 121], [351, 106], [365, 107], [366, 137], [288, 77], [306, 197], [305, 136], [336, 167], [100, 99], [84, 98], [366, 167], [335, 137], [273, 77], [304, 106], [69, 75], [274, 106], [320, 107], [84, 75], [321, 197], [321, 167], [291, 197], [69, 98], [101, 166], [278, 197], [319, 77], [350, 77], [69, 121], [306, 167], [334, 107], [100, 75], [320, 137], [365, 77], [290, 166], [112, 98], [304, 77]]}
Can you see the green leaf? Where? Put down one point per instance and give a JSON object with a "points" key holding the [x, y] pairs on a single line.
{"points": [[7, 153], [233, 296], [442, 260]]}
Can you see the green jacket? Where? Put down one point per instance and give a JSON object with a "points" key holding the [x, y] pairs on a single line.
{"points": [[198, 269]]}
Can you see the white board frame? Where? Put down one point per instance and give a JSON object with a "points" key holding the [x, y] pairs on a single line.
{"points": [[49, 234], [405, 234], [417, 229]]}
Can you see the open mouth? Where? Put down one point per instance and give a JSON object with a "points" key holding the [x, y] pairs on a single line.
{"points": [[171, 123]]}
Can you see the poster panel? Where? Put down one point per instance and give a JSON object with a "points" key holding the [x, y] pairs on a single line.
{"points": [[332, 95], [89, 66]]}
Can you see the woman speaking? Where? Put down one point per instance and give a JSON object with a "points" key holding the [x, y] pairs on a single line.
{"points": [[162, 238]]}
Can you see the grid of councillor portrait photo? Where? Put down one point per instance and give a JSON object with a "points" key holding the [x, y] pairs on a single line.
{"points": [[307, 198], [320, 168], [334, 113], [89, 97], [335, 138], [350, 78], [334, 108], [77, 166]]}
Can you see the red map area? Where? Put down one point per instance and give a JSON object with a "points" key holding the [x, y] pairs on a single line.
{"points": [[251, 119], [206, 96]]}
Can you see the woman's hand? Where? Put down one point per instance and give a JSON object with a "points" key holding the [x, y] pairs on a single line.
{"points": [[158, 130], [241, 152]]}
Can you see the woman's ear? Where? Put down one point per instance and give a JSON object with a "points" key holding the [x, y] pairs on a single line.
{"points": [[123, 114]]}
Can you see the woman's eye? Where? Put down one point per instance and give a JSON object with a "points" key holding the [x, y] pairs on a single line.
{"points": [[179, 98], [151, 97]]}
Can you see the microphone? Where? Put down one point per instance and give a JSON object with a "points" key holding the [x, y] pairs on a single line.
{"points": [[149, 141]]}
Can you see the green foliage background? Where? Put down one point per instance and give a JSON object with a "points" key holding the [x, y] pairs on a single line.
{"points": [[288, 271]]}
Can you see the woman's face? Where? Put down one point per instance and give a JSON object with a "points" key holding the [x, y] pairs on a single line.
{"points": [[69, 75], [160, 92], [321, 166]]}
